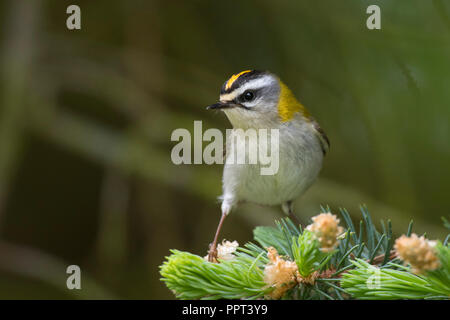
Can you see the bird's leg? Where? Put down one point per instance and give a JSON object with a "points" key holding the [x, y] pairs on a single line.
{"points": [[287, 208], [212, 253], [294, 218]]}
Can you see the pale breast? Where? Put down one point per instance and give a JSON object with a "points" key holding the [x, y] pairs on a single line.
{"points": [[299, 162]]}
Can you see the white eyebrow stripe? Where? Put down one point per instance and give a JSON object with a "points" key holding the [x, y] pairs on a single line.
{"points": [[252, 84]]}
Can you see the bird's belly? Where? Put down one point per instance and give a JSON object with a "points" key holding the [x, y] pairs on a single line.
{"points": [[299, 162], [294, 176], [269, 189]]}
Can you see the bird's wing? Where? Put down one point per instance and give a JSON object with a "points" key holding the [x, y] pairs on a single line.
{"points": [[320, 133]]}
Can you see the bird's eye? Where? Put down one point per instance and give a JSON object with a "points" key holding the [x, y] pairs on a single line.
{"points": [[247, 96]]}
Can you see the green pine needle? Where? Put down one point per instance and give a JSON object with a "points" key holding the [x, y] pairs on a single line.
{"points": [[191, 277], [372, 283], [307, 253]]}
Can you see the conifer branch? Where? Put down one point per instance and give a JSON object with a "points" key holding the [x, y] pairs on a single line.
{"points": [[324, 261]]}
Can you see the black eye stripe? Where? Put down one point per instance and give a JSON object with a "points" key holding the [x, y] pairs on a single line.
{"points": [[245, 96]]}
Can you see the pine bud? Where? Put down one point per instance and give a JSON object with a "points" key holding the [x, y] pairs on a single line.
{"points": [[418, 252], [326, 229], [279, 273]]}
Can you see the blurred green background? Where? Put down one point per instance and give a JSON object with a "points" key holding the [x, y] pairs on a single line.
{"points": [[86, 117]]}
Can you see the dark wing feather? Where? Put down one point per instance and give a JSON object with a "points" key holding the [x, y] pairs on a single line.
{"points": [[320, 133]]}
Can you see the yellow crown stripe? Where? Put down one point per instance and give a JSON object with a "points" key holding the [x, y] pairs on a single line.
{"points": [[234, 77]]}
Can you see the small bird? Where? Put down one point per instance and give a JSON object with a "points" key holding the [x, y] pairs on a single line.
{"points": [[254, 99]]}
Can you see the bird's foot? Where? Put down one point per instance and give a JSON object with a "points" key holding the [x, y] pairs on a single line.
{"points": [[212, 253]]}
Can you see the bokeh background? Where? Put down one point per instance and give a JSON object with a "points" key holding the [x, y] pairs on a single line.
{"points": [[86, 118]]}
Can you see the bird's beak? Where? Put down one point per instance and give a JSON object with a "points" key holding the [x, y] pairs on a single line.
{"points": [[223, 105]]}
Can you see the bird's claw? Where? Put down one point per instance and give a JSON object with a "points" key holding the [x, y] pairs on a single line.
{"points": [[212, 253]]}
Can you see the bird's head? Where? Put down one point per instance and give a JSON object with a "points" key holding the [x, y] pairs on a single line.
{"points": [[257, 99]]}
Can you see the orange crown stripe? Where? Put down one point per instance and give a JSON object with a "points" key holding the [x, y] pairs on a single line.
{"points": [[234, 77]]}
